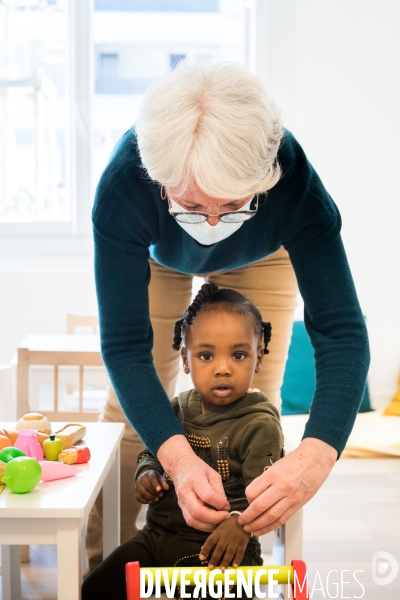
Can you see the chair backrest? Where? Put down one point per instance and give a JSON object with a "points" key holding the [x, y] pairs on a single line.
{"points": [[74, 321], [76, 351]]}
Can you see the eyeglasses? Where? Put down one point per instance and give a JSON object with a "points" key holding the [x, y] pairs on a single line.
{"points": [[235, 216]]}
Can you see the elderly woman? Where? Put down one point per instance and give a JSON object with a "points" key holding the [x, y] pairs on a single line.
{"points": [[208, 183]]}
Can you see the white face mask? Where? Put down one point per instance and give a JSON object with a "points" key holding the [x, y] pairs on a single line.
{"points": [[207, 234]]}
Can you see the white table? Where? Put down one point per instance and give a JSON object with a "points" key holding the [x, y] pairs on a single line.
{"points": [[55, 513]]}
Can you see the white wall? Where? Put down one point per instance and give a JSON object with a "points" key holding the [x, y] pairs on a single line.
{"points": [[333, 67], [38, 292]]}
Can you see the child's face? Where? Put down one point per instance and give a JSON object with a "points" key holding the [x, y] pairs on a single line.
{"points": [[222, 353]]}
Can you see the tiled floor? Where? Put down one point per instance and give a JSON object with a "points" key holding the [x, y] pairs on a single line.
{"points": [[355, 514]]}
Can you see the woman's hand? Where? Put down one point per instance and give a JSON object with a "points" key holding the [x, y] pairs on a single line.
{"points": [[150, 486], [228, 540], [286, 486], [196, 484]]}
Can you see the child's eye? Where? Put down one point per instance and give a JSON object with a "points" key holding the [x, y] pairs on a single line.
{"points": [[239, 355], [205, 356]]}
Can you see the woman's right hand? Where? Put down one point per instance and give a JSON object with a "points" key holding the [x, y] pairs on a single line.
{"points": [[150, 486], [197, 485]]}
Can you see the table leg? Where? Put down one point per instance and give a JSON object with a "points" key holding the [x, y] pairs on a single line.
{"points": [[111, 507], [83, 547], [68, 560], [11, 572]]}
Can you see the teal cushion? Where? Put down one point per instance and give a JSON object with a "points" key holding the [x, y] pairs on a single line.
{"points": [[299, 380]]}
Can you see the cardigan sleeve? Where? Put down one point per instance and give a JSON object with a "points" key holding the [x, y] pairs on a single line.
{"points": [[122, 274], [332, 313], [336, 326]]}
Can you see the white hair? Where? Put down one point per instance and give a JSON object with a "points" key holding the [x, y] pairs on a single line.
{"points": [[211, 123]]}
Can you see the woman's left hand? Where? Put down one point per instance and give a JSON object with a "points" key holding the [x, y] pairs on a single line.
{"points": [[286, 486], [197, 486]]}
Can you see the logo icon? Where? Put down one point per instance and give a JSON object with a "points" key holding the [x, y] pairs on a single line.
{"points": [[384, 568]]}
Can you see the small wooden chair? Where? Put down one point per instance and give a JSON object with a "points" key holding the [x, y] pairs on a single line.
{"points": [[74, 321], [287, 549], [293, 575], [75, 351]]}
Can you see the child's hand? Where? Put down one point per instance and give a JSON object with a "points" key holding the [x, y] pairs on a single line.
{"points": [[228, 540], [150, 487]]}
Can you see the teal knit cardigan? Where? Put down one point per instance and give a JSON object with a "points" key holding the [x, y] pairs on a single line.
{"points": [[131, 223]]}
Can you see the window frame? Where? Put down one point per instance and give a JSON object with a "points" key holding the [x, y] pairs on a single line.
{"points": [[78, 168], [74, 237]]}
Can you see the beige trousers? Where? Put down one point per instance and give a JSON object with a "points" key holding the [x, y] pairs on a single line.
{"points": [[271, 285]]}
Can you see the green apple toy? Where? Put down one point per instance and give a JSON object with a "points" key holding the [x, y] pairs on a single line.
{"points": [[22, 474]]}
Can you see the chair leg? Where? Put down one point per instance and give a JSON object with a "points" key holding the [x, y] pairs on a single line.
{"points": [[25, 554], [288, 545], [300, 585], [293, 538]]}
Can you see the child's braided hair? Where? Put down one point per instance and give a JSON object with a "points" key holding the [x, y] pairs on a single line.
{"points": [[211, 297]]}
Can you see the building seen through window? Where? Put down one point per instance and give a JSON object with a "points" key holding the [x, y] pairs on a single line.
{"points": [[137, 41], [158, 5]]}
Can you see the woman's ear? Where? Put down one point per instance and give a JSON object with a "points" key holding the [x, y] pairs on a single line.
{"points": [[185, 361]]}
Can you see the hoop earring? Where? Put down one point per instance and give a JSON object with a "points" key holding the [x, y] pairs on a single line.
{"points": [[163, 193]]}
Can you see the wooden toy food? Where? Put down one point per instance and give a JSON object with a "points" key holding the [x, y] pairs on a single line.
{"points": [[57, 470], [11, 435], [75, 455], [52, 448], [41, 437], [71, 434], [34, 421], [28, 443], [4, 442], [22, 474], [10, 453]]}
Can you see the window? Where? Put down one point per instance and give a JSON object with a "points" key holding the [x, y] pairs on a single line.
{"points": [[136, 41], [72, 76], [158, 5], [109, 66], [32, 109], [174, 59]]}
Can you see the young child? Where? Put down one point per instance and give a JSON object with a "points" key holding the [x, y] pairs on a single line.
{"points": [[222, 340]]}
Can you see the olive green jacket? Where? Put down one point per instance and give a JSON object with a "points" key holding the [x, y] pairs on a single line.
{"points": [[239, 441]]}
